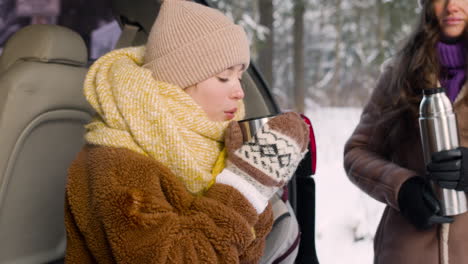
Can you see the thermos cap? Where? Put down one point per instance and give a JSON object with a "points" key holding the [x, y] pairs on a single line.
{"points": [[433, 90]]}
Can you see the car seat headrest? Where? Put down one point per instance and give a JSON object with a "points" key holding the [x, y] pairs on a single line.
{"points": [[137, 14], [44, 43]]}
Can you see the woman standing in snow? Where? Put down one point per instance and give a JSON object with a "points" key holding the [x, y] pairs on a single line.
{"points": [[153, 184], [384, 156]]}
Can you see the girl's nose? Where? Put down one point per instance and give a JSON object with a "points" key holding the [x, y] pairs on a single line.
{"points": [[238, 92]]}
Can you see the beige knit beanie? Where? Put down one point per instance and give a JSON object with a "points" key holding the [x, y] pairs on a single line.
{"points": [[190, 43]]}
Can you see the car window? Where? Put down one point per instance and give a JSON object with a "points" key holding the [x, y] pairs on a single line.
{"points": [[93, 20]]}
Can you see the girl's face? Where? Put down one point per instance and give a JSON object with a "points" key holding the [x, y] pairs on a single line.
{"points": [[218, 96], [452, 16]]}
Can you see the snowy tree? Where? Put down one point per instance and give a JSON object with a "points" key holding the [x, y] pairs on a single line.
{"points": [[265, 58]]}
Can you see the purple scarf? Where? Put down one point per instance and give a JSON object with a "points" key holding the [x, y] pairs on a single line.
{"points": [[452, 59]]}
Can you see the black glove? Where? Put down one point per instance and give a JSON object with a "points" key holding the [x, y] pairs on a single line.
{"points": [[419, 204], [449, 169]]}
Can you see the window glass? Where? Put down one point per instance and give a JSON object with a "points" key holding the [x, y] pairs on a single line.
{"points": [[93, 20]]}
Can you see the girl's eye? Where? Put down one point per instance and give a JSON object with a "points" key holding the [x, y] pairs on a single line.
{"points": [[223, 79]]}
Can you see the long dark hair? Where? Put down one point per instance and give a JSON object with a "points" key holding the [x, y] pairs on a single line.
{"points": [[414, 68]]}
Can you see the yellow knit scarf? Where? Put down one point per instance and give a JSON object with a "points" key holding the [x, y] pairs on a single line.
{"points": [[156, 119]]}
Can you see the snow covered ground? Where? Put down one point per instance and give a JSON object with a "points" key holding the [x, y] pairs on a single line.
{"points": [[346, 218]]}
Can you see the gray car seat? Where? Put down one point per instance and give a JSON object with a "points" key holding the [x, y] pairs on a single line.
{"points": [[42, 113]]}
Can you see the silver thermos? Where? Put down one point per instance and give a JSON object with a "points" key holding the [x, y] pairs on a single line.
{"points": [[438, 128], [250, 126]]}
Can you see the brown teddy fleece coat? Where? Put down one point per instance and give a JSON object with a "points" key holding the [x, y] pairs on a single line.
{"points": [[123, 207]]}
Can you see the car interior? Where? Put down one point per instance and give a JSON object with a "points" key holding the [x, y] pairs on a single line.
{"points": [[42, 116]]}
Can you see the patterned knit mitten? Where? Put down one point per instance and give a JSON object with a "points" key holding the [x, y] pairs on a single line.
{"points": [[265, 163]]}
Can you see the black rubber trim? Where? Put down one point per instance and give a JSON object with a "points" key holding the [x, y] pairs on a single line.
{"points": [[433, 90]]}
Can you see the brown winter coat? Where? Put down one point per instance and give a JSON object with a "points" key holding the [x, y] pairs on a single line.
{"points": [[381, 174], [123, 207]]}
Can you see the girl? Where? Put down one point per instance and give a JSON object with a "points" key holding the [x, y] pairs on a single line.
{"points": [[153, 184], [384, 156]]}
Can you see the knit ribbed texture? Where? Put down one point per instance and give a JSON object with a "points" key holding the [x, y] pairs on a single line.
{"points": [[153, 118], [452, 59], [190, 43], [250, 191]]}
